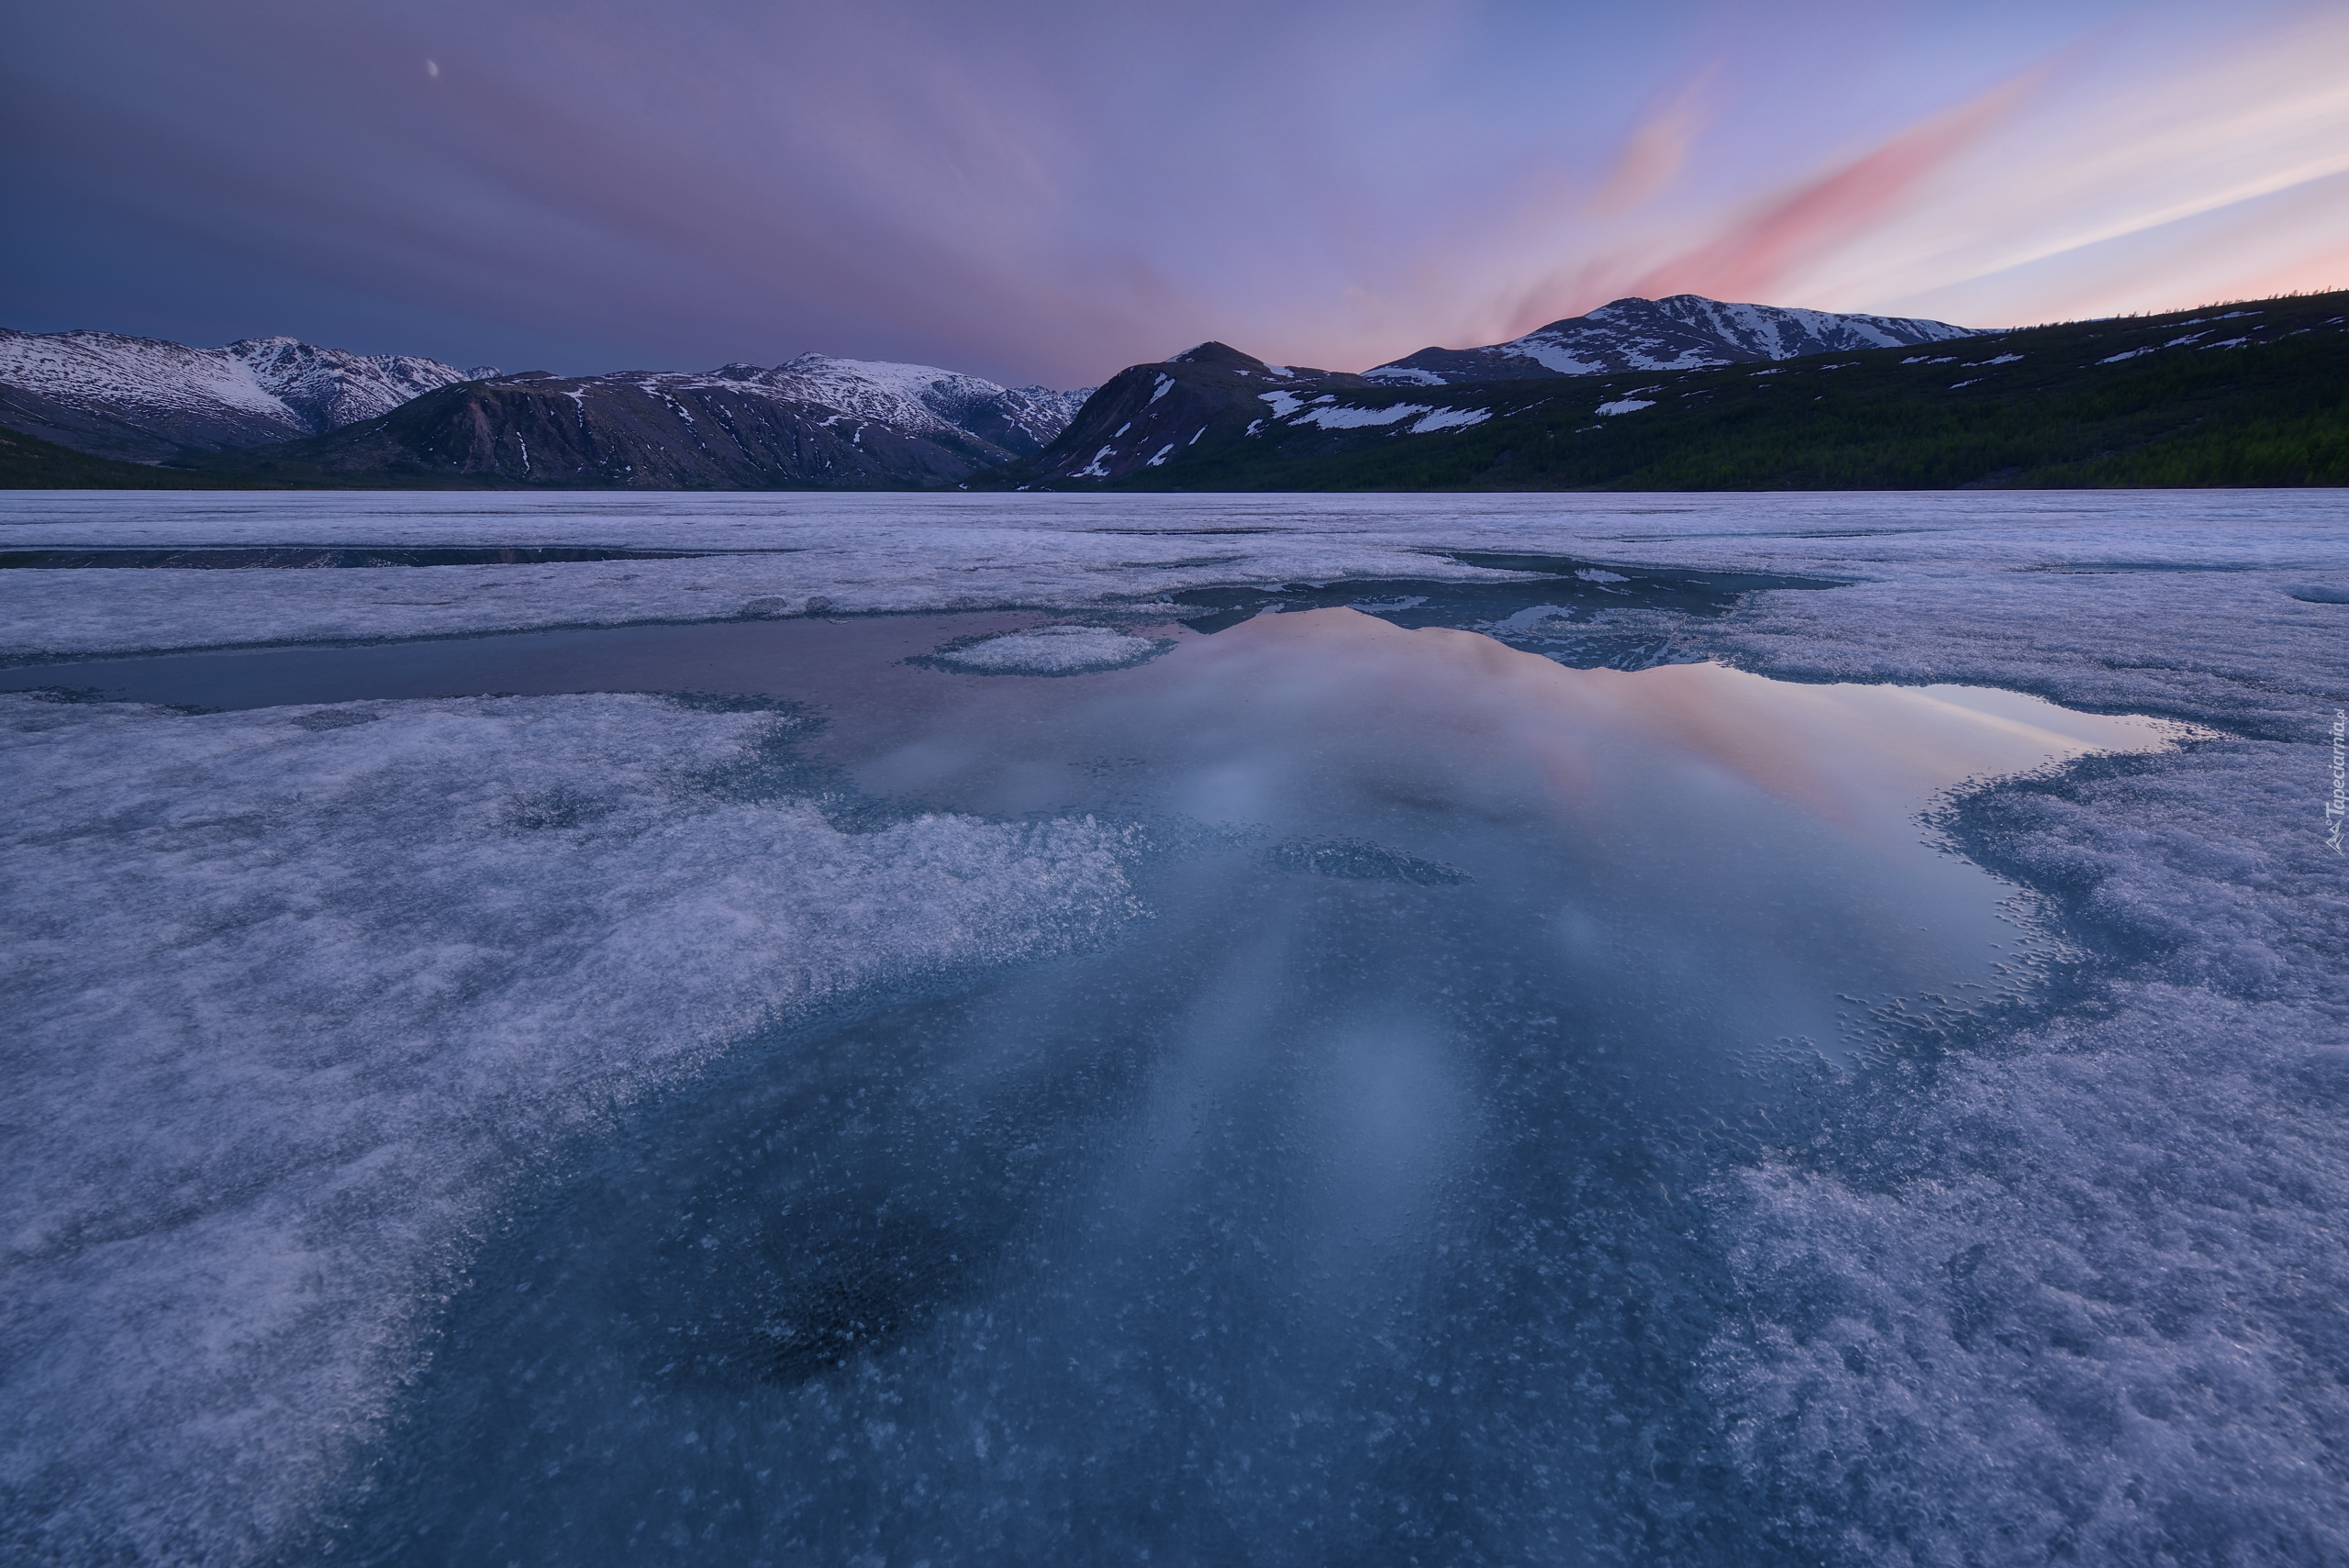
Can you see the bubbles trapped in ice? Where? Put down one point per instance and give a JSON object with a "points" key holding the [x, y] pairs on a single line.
{"points": [[1329, 1213], [1370, 1207], [1047, 650], [779, 1291], [1360, 860]]}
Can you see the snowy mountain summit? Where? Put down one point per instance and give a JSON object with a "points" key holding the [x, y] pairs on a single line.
{"points": [[1686, 331], [921, 399], [146, 400], [814, 420], [329, 389]]}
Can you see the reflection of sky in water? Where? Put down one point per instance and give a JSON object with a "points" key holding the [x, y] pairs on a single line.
{"points": [[1746, 845], [1341, 1212]]}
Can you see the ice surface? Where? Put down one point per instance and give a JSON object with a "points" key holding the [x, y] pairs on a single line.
{"points": [[2077, 1295], [2122, 599], [2066, 1287], [1278, 1181], [295, 996], [1049, 650]]}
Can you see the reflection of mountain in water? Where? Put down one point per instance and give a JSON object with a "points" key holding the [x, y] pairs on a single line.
{"points": [[1355, 1200], [1574, 614]]}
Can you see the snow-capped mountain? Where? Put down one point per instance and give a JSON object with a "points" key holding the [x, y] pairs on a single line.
{"points": [[1686, 331], [1021, 420], [1210, 405], [1148, 416], [816, 422], [332, 389], [147, 399]]}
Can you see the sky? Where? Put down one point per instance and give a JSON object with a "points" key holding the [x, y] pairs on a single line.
{"points": [[1038, 192]]}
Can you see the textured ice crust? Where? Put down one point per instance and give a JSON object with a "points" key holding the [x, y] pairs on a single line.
{"points": [[2071, 1295], [1049, 650], [2078, 1297], [2148, 569], [292, 996]]}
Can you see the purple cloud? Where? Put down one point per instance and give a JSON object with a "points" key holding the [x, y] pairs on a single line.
{"points": [[1047, 192]]}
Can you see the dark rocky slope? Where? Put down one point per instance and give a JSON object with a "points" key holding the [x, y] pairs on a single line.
{"points": [[2248, 395]]}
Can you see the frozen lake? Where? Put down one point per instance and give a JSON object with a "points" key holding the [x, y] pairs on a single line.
{"points": [[1295, 1030]]}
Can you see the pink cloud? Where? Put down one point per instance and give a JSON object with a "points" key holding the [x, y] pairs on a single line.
{"points": [[1049, 192], [1659, 145], [1757, 255]]}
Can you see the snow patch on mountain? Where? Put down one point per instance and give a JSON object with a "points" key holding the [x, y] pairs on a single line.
{"points": [[330, 389], [147, 399], [1451, 420], [250, 392], [1685, 331], [917, 400], [1346, 417]]}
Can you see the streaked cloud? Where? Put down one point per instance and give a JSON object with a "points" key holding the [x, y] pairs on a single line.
{"points": [[1047, 191], [1658, 146], [1758, 255]]}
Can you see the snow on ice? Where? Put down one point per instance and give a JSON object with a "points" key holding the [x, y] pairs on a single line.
{"points": [[303, 991], [1049, 650], [2069, 1290]]}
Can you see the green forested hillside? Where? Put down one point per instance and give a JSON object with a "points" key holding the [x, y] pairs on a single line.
{"points": [[28, 463], [2252, 394]]}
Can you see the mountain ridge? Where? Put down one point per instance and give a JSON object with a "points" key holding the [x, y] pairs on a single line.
{"points": [[147, 399], [813, 423], [2256, 394], [288, 412], [1681, 331]]}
